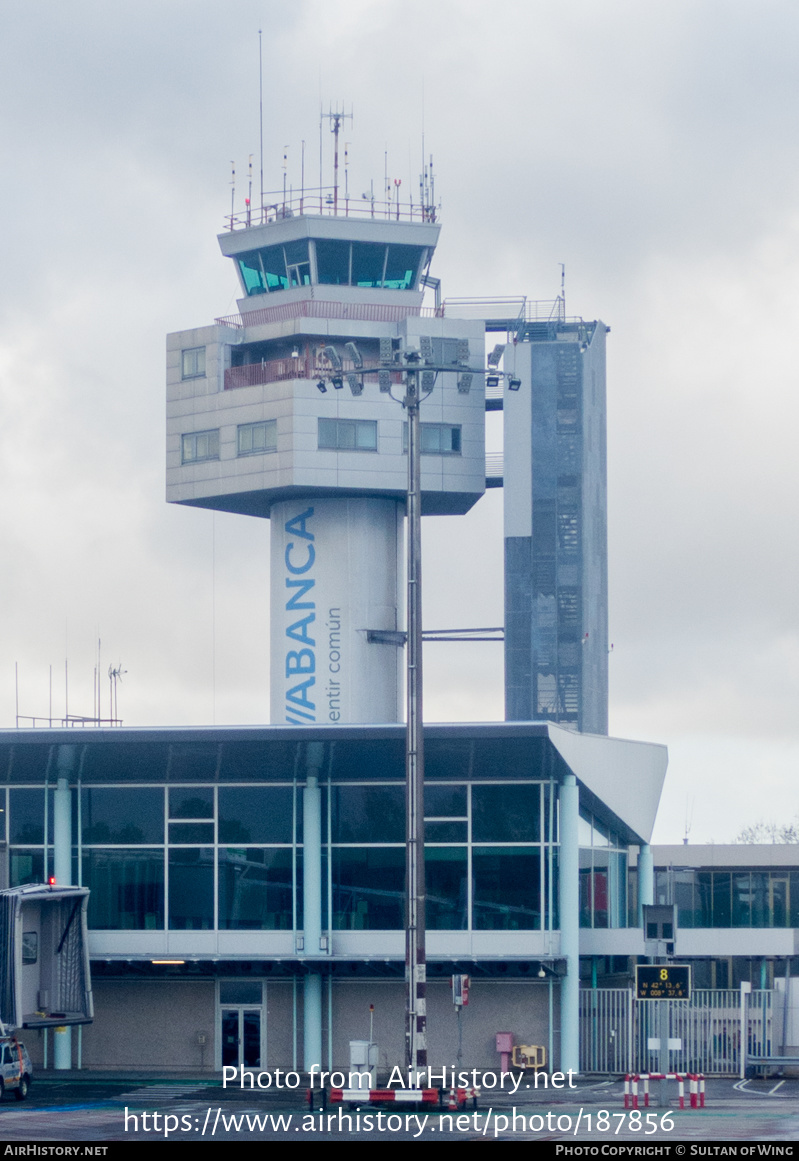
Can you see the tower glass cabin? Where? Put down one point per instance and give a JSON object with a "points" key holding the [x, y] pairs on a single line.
{"points": [[256, 427]]}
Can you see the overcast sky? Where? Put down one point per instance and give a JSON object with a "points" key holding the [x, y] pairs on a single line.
{"points": [[649, 147]]}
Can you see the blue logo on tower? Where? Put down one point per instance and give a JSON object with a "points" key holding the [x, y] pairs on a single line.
{"points": [[300, 662]]}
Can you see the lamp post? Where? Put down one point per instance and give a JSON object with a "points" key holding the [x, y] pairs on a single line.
{"points": [[419, 372]]}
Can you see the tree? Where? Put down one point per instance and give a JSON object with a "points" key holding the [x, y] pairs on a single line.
{"points": [[769, 832]]}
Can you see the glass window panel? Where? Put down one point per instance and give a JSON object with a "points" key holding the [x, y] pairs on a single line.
{"points": [[296, 251], [328, 433], [401, 267], [191, 802], [126, 762], [368, 814], [127, 889], [554, 922], [367, 263], [506, 813], [333, 261], [794, 899], [600, 834], [445, 832], [444, 801], [742, 899], [684, 898], [251, 273], [274, 268], [617, 889], [257, 438], [26, 867], [193, 363], [256, 814], [704, 888], [586, 885], [506, 889], [722, 911], [345, 434], [446, 884], [258, 761], [26, 816], [122, 815], [509, 758], [778, 886], [239, 992], [255, 889], [191, 832], [445, 758], [584, 830], [430, 441], [191, 888], [366, 435], [193, 762], [368, 888], [199, 445], [600, 887], [24, 763]]}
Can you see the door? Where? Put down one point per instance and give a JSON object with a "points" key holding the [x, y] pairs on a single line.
{"points": [[241, 1037]]}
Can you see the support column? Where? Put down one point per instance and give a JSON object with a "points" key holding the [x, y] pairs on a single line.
{"points": [[62, 869], [312, 905], [646, 881], [569, 884]]}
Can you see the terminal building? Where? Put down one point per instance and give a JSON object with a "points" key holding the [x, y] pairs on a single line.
{"points": [[247, 884]]}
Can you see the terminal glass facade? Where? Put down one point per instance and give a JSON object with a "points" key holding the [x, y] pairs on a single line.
{"points": [[201, 836], [734, 897]]}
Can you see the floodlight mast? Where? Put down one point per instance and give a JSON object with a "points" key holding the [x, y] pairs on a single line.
{"points": [[419, 374], [415, 890]]}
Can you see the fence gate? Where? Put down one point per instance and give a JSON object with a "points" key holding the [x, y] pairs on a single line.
{"points": [[616, 1031]]}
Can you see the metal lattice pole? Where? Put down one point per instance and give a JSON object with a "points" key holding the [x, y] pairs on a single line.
{"points": [[415, 959]]}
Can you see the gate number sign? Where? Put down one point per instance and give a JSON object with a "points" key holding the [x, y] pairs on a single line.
{"points": [[663, 981]]}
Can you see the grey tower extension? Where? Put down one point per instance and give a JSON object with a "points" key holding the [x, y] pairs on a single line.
{"points": [[556, 589]]}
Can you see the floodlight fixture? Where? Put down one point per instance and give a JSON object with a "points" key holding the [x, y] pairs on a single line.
{"points": [[492, 380], [337, 382], [322, 386], [426, 348], [428, 380], [463, 350], [514, 384], [384, 379], [465, 382], [354, 354], [355, 384], [496, 355], [386, 351], [295, 352], [333, 358]]}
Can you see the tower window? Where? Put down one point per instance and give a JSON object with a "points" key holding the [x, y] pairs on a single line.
{"points": [[193, 363], [197, 446], [348, 434], [257, 438], [437, 439]]}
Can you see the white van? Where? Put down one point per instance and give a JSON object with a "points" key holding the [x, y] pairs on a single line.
{"points": [[15, 1067]]}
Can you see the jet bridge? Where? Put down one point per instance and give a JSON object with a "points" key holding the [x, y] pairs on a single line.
{"points": [[44, 957]]}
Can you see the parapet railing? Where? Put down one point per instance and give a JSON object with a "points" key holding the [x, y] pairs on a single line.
{"points": [[328, 203]]}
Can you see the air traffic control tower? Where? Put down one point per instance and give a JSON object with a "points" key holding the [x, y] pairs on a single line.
{"points": [[266, 419]]}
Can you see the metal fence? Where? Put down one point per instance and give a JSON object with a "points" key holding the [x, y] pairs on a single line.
{"points": [[620, 1034]]}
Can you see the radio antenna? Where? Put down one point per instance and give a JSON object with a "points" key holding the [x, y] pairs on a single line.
{"points": [[261, 113]]}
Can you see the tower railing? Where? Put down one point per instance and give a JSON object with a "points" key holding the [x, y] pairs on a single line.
{"points": [[325, 203]]}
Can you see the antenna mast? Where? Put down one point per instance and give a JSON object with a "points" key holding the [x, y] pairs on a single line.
{"points": [[261, 114], [335, 118]]}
